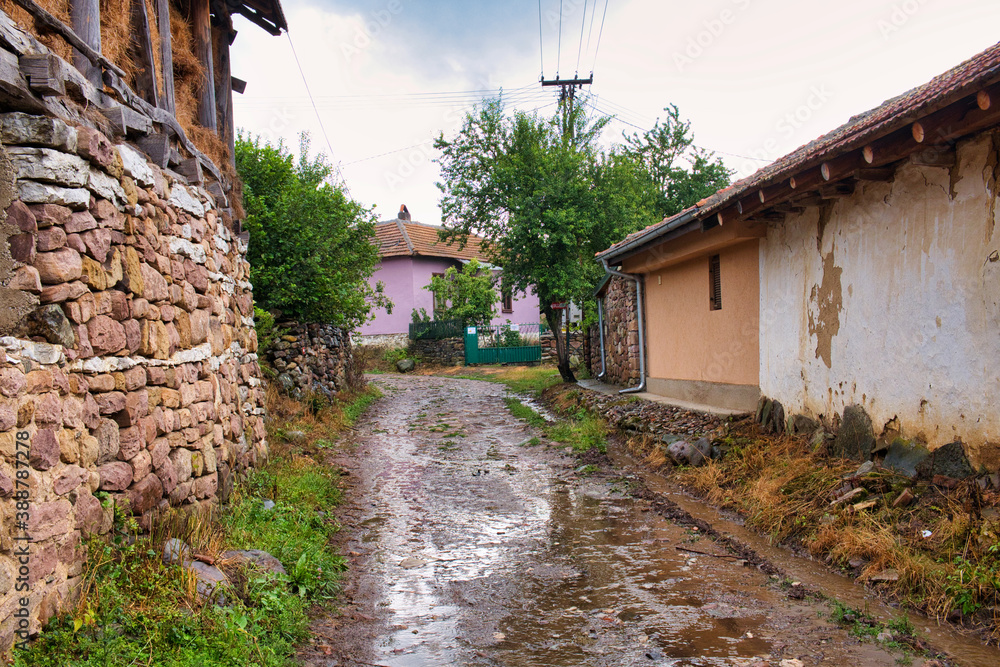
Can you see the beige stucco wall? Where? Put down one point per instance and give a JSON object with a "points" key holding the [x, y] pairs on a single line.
{"points": [[890, 299], [689, 342]]}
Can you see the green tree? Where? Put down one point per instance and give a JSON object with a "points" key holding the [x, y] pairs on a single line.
{"points": [[661, 153], [468, 293], [544, 199], [312, 249]]}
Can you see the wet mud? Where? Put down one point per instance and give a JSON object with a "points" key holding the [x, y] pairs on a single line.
{"points": [[474, 540]]}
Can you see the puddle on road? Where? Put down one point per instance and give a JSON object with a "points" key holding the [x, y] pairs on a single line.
{"points": [[491, 553]]}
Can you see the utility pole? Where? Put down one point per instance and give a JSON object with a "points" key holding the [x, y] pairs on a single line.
{"points": [[566, 97]]}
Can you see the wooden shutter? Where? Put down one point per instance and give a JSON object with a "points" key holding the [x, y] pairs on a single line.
{"points": [[714, 283]]}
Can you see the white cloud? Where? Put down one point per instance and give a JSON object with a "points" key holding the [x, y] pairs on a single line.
{"points": [[757, 78]]}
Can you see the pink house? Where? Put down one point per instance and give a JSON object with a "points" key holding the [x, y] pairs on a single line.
{"points": [[411, 254]]}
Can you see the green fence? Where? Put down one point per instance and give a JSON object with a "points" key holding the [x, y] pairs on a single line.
{"points": [[436, 330], [503, 344]]}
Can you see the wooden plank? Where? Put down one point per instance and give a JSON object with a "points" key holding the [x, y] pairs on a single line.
{"points": [[201, 24], [166, 54], [42, 73], [191, 170], [239, 85], [835, 190], [145, 76], [874, 174], [222, 37], [85, 16]]}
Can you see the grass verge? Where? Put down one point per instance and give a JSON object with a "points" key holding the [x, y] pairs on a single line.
{"points": [[135, 610], [938, 553]]}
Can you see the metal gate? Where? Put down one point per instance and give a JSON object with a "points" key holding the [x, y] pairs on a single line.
{"points": [[503, 344]]}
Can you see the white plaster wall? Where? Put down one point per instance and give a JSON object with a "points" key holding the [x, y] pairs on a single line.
{"points": [[911, 305]]}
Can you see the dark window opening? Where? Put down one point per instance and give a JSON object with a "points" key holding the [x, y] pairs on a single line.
{"points": [[714, 283], [440, 302], [507, 301]]}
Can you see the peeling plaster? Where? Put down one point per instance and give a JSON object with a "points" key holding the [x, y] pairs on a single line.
{"points": [[827, 298]]}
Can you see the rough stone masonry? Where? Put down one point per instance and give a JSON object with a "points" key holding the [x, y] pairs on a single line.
{"points": [[127, 349]]}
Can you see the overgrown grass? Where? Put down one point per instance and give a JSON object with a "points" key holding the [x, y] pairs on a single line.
{"points": [[528, 380], [942, 552], [898, 634], [524, 412], [135, 610], [582, 431]]}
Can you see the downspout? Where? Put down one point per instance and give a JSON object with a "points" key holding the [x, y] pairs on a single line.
{"points": [[642, 341], [600, 329]]}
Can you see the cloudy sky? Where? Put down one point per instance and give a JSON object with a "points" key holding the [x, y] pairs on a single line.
{"points": [[756, 78]]}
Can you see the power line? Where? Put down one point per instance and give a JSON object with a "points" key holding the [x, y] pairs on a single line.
{"points": [[559, 44], [319, 118], [583, 25], [541, 48], [600, 33]]}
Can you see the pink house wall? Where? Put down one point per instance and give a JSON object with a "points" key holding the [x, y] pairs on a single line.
{"points": [[404, 279]]}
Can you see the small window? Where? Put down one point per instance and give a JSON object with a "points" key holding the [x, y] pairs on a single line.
{"points": [[507, 301], [440, 301], [714, 283]]}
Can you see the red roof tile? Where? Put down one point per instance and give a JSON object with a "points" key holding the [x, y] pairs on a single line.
{"points": [[405, 238]]}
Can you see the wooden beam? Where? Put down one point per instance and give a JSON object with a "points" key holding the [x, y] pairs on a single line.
{"points": [[239, 85], [806, 180], [46, 20], [86, 18], [222, 37], [157, 147], [201, 24], [166, 54], [786, 207], [142, 41], [874, 174], [841, 166], [772, 193], [934, 156], [748, 205], [43, 74], [191, 170], [835, 190], [767, 216]]}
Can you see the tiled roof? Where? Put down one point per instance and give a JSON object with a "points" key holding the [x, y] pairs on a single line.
{"points": [[893, 114], [402, 237]]}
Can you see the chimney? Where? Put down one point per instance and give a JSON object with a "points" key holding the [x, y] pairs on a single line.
{"points": [[404, 213]]}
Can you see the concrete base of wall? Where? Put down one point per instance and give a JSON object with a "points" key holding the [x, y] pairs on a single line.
{"points": [[742, 397], [381, 340]]}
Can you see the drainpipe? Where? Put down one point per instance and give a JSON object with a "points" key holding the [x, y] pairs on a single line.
{"points": [[642, 342], [600, 329]]}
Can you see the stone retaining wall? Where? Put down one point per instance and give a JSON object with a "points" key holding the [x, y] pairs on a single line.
{"points": [[447, 351], [128, 370], [549, 345], [314, 357]]}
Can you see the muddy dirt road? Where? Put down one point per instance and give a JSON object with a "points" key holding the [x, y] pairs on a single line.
{"points": [[470, 543]]}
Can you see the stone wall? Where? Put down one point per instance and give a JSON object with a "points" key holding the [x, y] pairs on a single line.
{"points": [[314, 357], [128, 369], [621, 335], [549, 345], [447, 351]]}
